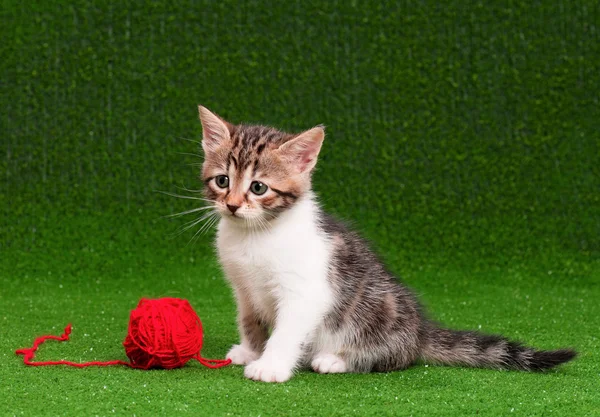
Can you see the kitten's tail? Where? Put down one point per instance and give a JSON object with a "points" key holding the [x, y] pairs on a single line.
{"points": [[475, 349]]}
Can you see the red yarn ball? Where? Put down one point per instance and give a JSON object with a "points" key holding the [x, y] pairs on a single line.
{"points": [[163, 333]]}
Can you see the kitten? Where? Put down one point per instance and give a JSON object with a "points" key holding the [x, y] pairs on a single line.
{"points": [[294, 270]]}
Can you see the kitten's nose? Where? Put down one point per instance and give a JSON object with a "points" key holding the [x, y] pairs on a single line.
{"points": [[232, 209]]}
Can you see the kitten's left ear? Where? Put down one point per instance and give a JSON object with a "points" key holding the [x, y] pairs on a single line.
{"points": [[302, 150], [215, 131]]}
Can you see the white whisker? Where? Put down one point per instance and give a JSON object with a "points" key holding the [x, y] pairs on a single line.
{"points": [[191, 154], [190, 191], [265, 226], [205, 227], [185, 227], [183, 213], [182, 196], [190, 140]]}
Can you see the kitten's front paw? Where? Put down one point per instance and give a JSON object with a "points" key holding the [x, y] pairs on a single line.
{"points": [[268, 370], [327, 363], [241, 355]]}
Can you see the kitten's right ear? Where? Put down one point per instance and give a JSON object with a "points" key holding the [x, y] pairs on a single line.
{"points": [[215, 131]]}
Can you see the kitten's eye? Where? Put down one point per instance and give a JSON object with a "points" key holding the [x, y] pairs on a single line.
{"points": [[222, 181], [258, 188]]}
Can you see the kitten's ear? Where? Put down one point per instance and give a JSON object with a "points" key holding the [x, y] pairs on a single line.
{"points": [[302, 150], [215, 131]]}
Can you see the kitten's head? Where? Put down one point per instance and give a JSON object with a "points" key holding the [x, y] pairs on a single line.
{"points": [[254, 173]]}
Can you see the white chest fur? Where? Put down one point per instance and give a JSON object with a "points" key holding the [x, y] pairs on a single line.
{"points": [[285, 264]]}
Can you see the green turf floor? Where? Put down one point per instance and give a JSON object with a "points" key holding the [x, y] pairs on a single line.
{"points": [[462, 140], [548, 303]]}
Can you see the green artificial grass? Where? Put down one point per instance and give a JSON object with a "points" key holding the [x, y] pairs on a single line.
{"points": [[462, 141], [94, 285]]}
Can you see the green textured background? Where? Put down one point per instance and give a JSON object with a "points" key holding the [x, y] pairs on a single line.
{"points": [[463, 140]]}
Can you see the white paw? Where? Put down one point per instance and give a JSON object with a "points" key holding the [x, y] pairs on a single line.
{"points": [[268, 370], [327, 363], [241, 355]]}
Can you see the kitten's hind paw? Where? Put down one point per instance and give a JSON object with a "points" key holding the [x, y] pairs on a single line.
{"points": [[241, 355], [327, 363]]}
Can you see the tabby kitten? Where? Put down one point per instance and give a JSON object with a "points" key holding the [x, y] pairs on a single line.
{"points": [[329, 302]]}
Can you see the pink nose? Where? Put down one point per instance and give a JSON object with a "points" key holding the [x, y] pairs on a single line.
{"points": [[232, 209]]}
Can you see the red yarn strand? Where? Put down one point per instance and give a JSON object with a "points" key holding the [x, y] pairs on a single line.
{"points": [[213, 363], [163, 333], [29, 353]]}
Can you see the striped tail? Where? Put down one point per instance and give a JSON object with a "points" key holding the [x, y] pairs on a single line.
{"points": [[475, 349]]}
